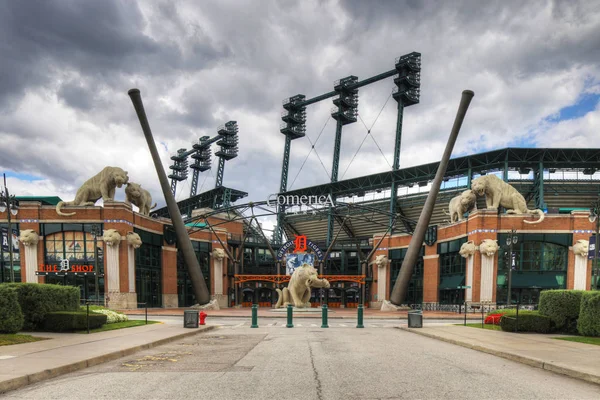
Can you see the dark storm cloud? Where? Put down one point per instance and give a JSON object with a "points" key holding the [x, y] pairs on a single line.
{"points": [[97, 39]]}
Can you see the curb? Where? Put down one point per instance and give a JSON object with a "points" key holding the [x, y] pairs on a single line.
{"points": [[533, 362], [22, 381]]}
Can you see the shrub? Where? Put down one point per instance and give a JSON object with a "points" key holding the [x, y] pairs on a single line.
{"points": [[112, 316], [37, 300], [529, 321], [588, 323], [65, 321], [562, 306], [503, 311], [11, 317]]}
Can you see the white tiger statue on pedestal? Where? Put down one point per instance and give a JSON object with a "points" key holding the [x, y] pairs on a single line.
{"points": [[499, 193], [101, 186]]}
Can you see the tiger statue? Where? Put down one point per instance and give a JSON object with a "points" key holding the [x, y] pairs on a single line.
{"points": [[102, 185], [136, 195], [499, 193]]}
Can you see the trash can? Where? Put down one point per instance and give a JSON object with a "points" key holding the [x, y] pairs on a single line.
{"points": [[415, 319], [190, 319]]}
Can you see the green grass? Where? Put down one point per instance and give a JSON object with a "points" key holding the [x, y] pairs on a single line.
{"points": [[119, 325], [8, 339], [490, 327], [581, 339]]}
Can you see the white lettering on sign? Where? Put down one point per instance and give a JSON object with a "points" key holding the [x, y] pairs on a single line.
{"points": [[296, 200]]}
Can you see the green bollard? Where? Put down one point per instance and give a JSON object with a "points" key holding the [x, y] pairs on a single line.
{"points": [[324, 316], [254, 316], [289, 317], [360, 316]]}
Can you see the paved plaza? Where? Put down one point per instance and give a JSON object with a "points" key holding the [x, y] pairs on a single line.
{"points": [[381, 361]]}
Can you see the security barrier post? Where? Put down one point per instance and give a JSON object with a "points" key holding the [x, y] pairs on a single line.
{"points": [[360, 316], [324, 316], [254, 316], [289, 316]]}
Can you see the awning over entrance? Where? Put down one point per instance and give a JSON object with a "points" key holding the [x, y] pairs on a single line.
{"points": [[536, 280], [452, 282]]}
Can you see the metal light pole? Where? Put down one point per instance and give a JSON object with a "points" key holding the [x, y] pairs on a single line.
{"points": [[95, 233], [9, 204], [594, 212], [511, 240]]}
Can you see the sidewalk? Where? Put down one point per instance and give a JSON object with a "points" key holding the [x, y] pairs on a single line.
{"points": [[577, 360], [28, 363], [267, 312]]}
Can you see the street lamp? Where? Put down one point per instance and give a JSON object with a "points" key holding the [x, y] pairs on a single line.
{"points": [[594, 212], [8, 203], [511, 240], [96, 231]]}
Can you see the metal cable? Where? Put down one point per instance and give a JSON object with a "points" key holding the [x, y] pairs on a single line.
{"points": [[311, 149], [369, 133]]}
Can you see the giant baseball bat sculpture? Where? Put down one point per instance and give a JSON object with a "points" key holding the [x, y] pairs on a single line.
{"points": [[183, 240], [400, 290]]}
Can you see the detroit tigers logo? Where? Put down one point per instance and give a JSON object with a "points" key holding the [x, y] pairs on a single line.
{"points": [[300, 244], [64, 265]]}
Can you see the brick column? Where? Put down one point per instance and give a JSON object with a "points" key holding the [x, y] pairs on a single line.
{"points": [[431, 275]]}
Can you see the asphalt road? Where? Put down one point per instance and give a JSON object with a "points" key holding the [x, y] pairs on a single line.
{"points": [[273, 362]]}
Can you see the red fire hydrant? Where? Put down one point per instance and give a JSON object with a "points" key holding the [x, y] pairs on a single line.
{"points": [[202, 317]]}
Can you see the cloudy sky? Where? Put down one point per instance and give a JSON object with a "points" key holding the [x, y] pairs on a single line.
{"points": [[66, 67]]}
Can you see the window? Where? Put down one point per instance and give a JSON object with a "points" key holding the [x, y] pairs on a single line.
{"points": [[5, 265], [452, 271], [450, 260], [537, 252], [415, 285], [77, 246], [148, 269], [185, 290]]}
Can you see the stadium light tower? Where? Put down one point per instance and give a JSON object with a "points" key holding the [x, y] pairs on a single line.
{"points": [[229, 148], [180, 169]]}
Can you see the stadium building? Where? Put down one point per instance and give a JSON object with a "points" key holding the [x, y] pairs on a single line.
{"points": [[344, 227]]}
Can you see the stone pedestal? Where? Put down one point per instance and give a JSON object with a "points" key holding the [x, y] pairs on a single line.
{"points": [[580, 278], [31, 264], [131, 268], [469, 279], [487, 278], [122, 301], [221, 300], [170, 301]]}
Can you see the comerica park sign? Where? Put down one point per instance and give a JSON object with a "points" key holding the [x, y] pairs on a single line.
{"points": [[302, 200]]}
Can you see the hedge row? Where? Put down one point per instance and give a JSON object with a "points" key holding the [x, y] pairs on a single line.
{"points": [[36, 300], [563, 307], [68, 321], [588, 323], [11, 316], [528, 321]]}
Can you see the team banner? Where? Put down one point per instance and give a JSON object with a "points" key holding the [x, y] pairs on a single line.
{"points": [[296, 260], [5, 239], [592, 248]]}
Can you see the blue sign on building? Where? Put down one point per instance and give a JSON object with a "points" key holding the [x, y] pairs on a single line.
{"points": [[591, 247]]}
